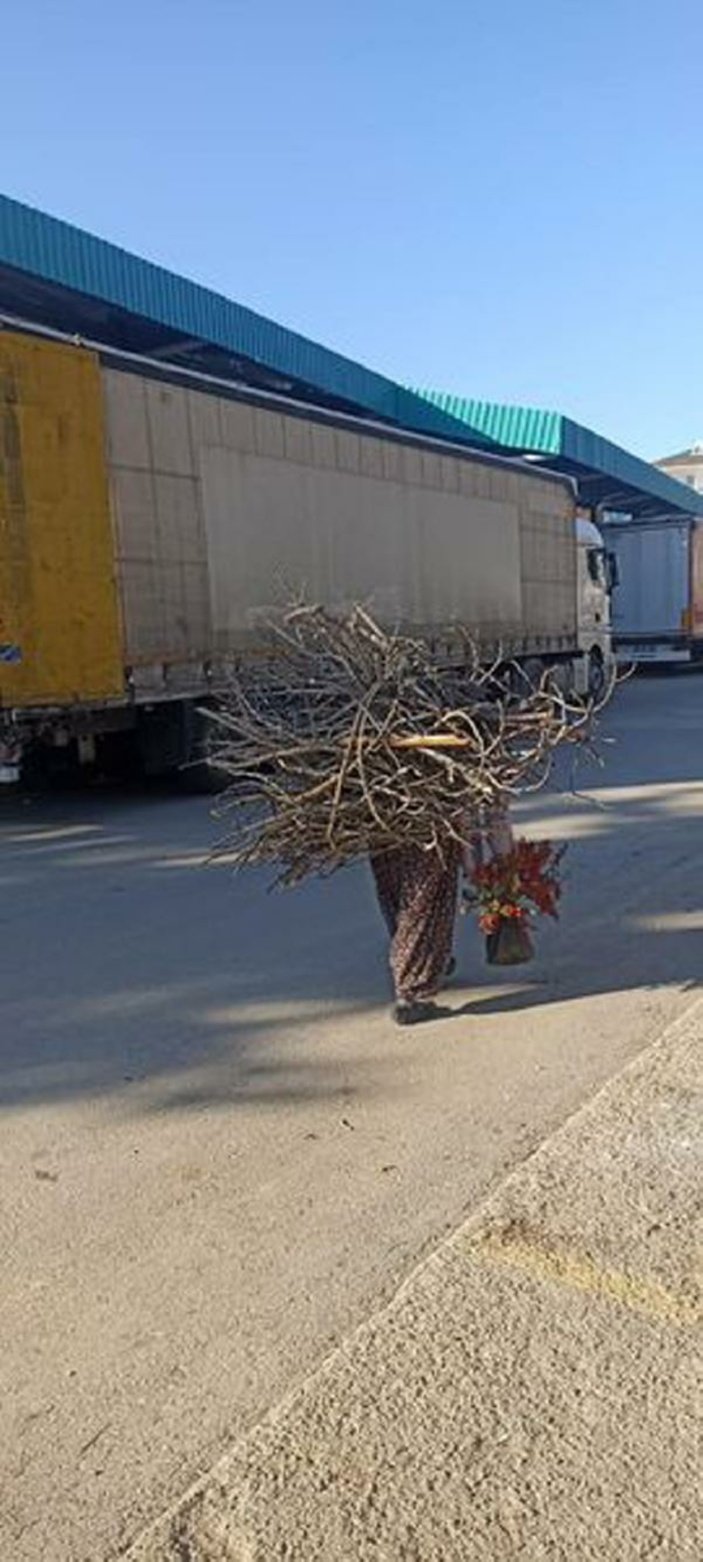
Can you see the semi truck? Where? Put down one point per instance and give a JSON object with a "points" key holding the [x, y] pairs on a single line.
{"points": [[153, 520], [658, 606]]}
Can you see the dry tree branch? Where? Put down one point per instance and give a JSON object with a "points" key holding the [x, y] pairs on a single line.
{"points": [[349, 740]]}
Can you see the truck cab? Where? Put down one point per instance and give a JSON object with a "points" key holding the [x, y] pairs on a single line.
{"points": [[595, 582]]}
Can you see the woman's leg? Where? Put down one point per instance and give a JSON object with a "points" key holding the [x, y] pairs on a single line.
{"points": [[387, 871], [422, 945]]}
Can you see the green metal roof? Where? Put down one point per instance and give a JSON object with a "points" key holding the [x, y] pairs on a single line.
{"points": [[522, 428], [55, 274], [606, 474], [59, 276]]}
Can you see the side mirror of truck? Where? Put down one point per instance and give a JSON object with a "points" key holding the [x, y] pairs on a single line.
{"points": [[612, 571]]}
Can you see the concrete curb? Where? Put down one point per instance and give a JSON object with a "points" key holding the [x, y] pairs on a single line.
{"points": [[531, 1388]]}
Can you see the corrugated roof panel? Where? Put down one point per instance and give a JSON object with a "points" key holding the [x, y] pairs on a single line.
{"points": [[54, 251], [583, 446], [607, 474], [523, 428]]}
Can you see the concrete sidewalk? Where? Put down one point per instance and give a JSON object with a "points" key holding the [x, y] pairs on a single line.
{"points": [[534, 1389]]}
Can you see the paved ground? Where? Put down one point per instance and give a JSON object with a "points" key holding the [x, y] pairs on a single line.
{"points": [[535, 1388], [217, 1155]]}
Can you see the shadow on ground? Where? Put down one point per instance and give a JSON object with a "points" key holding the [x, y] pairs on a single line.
{"points": [[127, 966]]}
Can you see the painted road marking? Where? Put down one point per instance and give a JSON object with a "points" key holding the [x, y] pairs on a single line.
{"points": [[577, 1272]]}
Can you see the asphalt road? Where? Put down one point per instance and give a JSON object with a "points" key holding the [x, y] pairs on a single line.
{"points": [[217, 1155]]}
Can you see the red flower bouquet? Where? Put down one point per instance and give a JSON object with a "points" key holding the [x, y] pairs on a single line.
{"points": [[510, 889]]}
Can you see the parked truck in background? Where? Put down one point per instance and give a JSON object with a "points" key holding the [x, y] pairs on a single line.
{"points": [[658, 606], [595, 578], [152, 520]]}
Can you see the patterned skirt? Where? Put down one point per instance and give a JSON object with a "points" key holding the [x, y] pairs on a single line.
{"points": [[417, 892]]}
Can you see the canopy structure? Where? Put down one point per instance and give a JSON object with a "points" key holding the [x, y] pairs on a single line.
{"points": [[58, 276], [608, 477]]}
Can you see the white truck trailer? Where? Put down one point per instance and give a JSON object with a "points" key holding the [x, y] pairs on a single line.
{"points": [[152, 520], [658, 604]]}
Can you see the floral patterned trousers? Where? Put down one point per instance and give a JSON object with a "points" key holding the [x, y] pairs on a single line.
{"points": [[417, 892]]}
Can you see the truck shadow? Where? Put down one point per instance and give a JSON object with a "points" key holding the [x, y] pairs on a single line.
{"points": [[128, 968]]}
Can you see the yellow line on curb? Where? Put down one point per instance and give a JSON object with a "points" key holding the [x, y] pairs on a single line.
{"points": [[578, 1272]]}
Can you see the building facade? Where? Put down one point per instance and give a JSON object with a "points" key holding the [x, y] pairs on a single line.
{"points": [[686, 467]]}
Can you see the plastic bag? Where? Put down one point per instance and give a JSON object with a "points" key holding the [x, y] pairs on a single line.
{"points": [[510, 944]]}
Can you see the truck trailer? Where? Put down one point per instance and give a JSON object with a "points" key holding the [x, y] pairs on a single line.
{"points": [[153, 520], [658, 605]]}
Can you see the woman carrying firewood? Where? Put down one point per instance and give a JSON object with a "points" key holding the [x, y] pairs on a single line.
{"points": [[418, 894], [345, 741]]}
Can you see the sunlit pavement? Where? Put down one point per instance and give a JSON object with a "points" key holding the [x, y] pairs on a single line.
{"points": [[218, 1156]]}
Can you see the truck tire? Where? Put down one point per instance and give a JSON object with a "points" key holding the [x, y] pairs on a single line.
{"points": [[197, 775], [596, 675], [172, 741], [522, 677]]}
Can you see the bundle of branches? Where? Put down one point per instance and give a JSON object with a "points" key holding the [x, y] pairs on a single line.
{"points": [[347, 740]]}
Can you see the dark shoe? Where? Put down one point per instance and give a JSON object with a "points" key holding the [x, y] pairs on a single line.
{"points": [[415, 1013]]}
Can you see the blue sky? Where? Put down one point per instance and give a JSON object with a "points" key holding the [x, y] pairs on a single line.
{"points": [[503, 200]]}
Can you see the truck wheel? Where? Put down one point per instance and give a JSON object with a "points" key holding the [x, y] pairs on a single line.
{"points": [[198, 778], [596, 675], [524, 677], [562, 676], [171, 740]]}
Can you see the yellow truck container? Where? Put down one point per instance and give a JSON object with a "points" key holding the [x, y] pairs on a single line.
{"points": [[151, 522], [60, 635]]}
